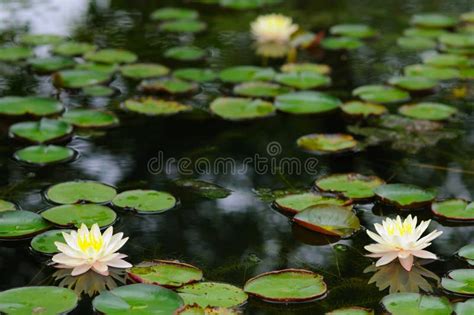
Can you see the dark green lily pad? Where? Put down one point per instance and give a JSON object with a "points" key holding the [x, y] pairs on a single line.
{"points": [[195, 74], [166, 273], [144, 70], [51, 64], [416, 42], [89, 118], [467, 17], [36, 106], [424, 32], [40, 39], [467, 253], [42, 131], [203, 188], [467, 73], [329, 219], [168, 86], [212, 294], [460, 281], [42, 155], [7, 205], [457, 40], [18, 224], [98, 91], [260, 89], [435, 73], [464, 308], [454, 209], [183, 26], [350, 185], [75, 79], [98, 67], [303, 79], [236, 108], [362, 109], [240, 74], [288, 285], [293, 204], [416, 304], [352, 310], [306, 67], [170, 13], [306, 102], [413, 83], [353, 30], [428, 111], [70, 49], [447, 60], [185, 53], [327, 143], [139, 299], [341, 43], [155, 107], [15, 53], [246, 4], [145, 201], [47, 300], [111, 56], [405, 195], [433, 20], [44, 243], [78, 214], [80, 192], [381, 94]]}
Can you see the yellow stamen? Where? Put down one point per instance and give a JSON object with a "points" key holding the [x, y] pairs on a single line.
{"points": [[88, 240]]}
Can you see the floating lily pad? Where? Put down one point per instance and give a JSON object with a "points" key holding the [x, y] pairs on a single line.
{"points": [[15, 53], [236, 108], [183, 26], [42, 131], [155, 107], [457, 40], [353, 30], [42, 155], [44, 243], [362, 109], [460, 281], [435, 73], [341, 43], [144, 70], [80, 192], [40, 39], [447, 60], [464, 308], [414, 83], [98, 67], [51, 64], [352, 310], [203, 188], [170, 13], [416, 304], [260, 89], [246, 73], [246, 4], [7, 205], [18, 224], [185, 53], [350, 185], [139, 299], [89, 118], [168, 86], [303, 79], [433, 20], [145, 201], [36, 106], [195, 74], [306, 102], [78, 214], [293, 204], [467, 73], [306, 67], [47, 300], [75, 79], [381, 94], [454, 209], [329, 219], [212, 294], [467, 252], [416, 43], [166, 273], [111, 56], [467, 17], [428, 111], [98, 91], [404, 195], [424, 32], [70, 49], [327, 143]]}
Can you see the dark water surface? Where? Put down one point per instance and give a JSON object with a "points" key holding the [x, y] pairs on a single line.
{"points": [[235, 238]]}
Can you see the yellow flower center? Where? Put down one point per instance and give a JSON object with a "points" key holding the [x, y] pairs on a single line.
{"points": [[88, 240], [400, 228]]}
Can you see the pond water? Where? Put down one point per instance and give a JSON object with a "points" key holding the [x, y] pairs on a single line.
{"points": [[234, 238]]}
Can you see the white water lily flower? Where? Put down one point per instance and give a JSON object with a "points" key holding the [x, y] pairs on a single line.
{"points": [[397, 239], [275, 28], [85, 250]]}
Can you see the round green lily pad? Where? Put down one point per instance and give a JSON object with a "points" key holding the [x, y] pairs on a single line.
{"points": [[460, 281], [89, 118], [29, 105], [303, 79], [144, 70], [363, 109], [350, 185], [42, 131], [80, 192], [404, 195], [353, 30], [170, 13], [75, 79], [381, 94], [155, 107], [454, 209], [413, 83], [447, 60], [111, 56], [433, 20], [352, 310], [166, 273], [18, 224], [424, 32], [212, 294], [145, 201], [467, 17], [293, 204], [42, 155], [428, 111], [416, 304], [435, 73], [98, 67], [183, 26], [40, 39], [7, 205], [185, 53], [236, 108], [327, 143], [98, 91], [329, 219], [288, 285], [464, 308], [467, 73], [47, 300], [306, 67], [306, 102], [78, 214], [71, 49], [168, 86], [246, 4], [467, 253], [50, 64], [341, 43], [195, 74], [240, 74], [44, 243], [416, 42], [137, 299], [15, 53], [260, 89]]}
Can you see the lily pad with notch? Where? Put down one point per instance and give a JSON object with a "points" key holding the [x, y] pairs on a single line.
{"points": [[168, 86], [303, 79], [74, 215], [353, 30], [44, 243], [185, 53], [467, 253], [145, 201], [72, 49], [358, 109], [19, 224], [40, 39], [111, 56], [75, 79], [80, 191], [381, 94], [464, 308], [155, 107], [306, 67], [213, 294], [447, 60], [306, 102], [15, 53], [459, 281], [328, 143], [416, 42], [350, 185], [51, 64], [416, 304], [428, 111], [42, 155], [42, 131], [140, 71], [195, 74], [183, 26], [171, 13], [433, 20], [414, 83], [341, 43], [431, 72], [7, 205], [260, 89], [98, 67], [89, 118], [29, 105], [454, 209], [405, 195], [238, 108], [240, 74], [293, 204], [457, 40], [203, 188]]}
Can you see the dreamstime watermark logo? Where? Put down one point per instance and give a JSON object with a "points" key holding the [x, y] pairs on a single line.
{"points": [[270, 163]]}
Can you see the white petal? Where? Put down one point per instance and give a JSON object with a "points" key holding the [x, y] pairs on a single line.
{"points": [[378, 248], [424, 254], [79, 270], [375, 237], [100, 268], [387, 258], [119, 263], [407, 263], [67, 260]]}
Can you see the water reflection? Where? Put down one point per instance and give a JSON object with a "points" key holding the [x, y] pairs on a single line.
{"points": [[273, 50]]}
